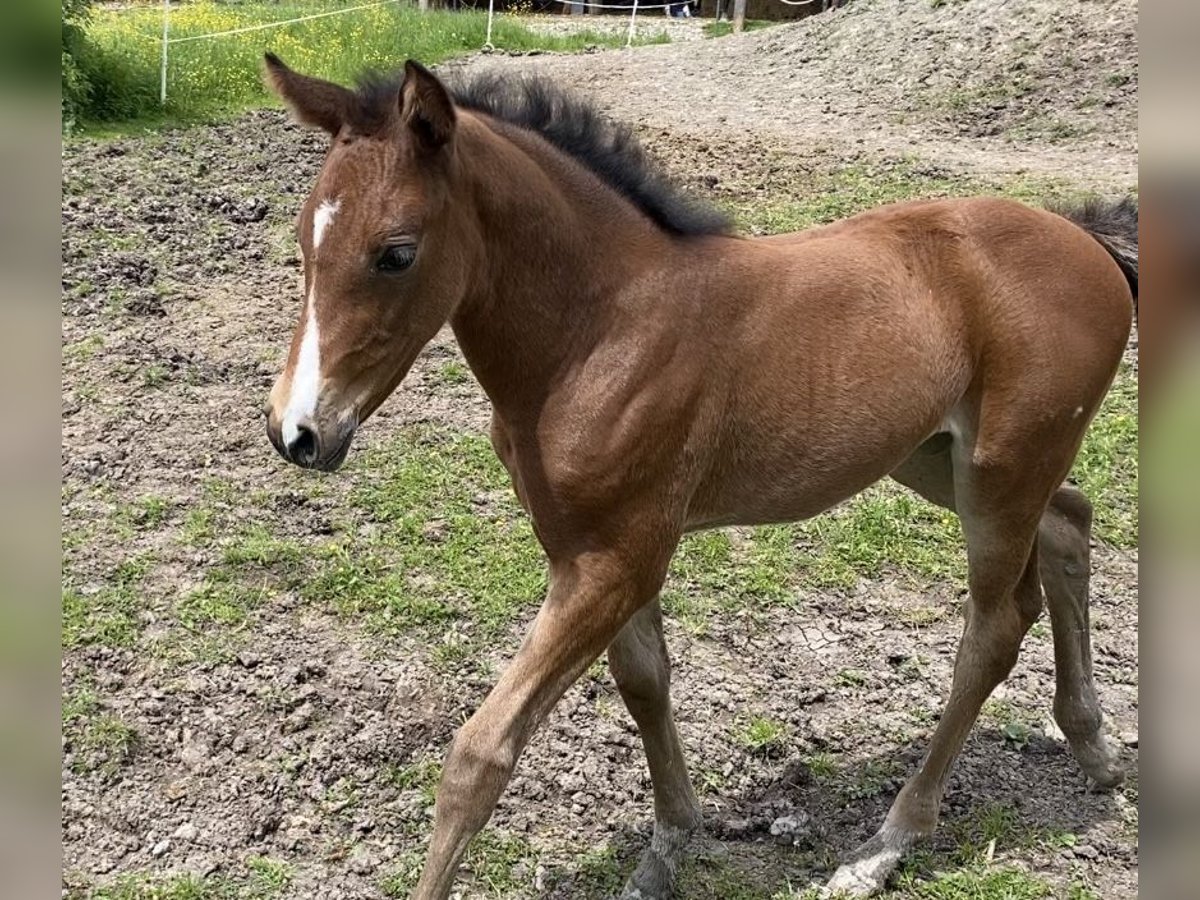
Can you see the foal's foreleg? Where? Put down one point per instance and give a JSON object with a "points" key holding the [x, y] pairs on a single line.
{"points": [[1064, 539], [639, 663], [587, 605]]}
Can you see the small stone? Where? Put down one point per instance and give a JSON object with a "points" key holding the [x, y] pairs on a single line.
{"points": [[361, 862], [299, 720], [1086, 851], [186, 832], [791, 828], [160, 848]]}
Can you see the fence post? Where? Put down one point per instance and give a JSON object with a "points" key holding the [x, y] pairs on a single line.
{"points": [[632, 24], [739, 15], [487, 41], [162, 86]]}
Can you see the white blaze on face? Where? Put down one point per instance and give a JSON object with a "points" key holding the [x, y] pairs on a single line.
{"points": [[306, 378], [322, 219]]}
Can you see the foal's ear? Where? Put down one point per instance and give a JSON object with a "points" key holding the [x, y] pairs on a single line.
{"points": [[426, 107], [313, 101]]}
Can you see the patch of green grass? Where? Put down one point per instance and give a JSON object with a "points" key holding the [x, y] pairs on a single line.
{"points": [[88, 347], [452, 542], [107, 615], [728, 878], [858, 187], [154, 376], [729, 570], [500, 862], [454, 373], [149, 887], [708, 780], [263, 879], [198, 527], [979, 882], [79, 703], [268, 877], [981, 97], [598, 872], [850, 678], [922, 616], [761, 734], [885, 528], [822, 766], [101, 743], [208, 78], [721, 29], [256, 547], [1107, 466], [422, 776], [219, 602], [1012, 721], [497, 864]]}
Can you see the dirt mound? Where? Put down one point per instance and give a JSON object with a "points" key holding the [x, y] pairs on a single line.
{"points": [[1024, 85], [1033, 68]]}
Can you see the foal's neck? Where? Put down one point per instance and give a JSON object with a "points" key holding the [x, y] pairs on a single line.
{"points": [[560, 248]]}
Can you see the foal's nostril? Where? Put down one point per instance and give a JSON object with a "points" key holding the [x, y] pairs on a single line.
{"points": [[303, 448]]}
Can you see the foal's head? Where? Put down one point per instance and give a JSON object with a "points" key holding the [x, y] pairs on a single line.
{"points": [[384, 263]]}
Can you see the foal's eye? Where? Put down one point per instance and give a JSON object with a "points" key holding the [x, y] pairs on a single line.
{"points": [[396, 258]]}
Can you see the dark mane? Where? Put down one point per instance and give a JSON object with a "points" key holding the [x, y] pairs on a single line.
{"points": [[575, 127]]}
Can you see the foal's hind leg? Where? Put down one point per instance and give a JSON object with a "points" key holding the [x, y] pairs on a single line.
{"points": [[1000, 517], [1064, 540], [639, 663]]}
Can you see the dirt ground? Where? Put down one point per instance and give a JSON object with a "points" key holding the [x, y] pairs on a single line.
{"points": [[269, 741]]}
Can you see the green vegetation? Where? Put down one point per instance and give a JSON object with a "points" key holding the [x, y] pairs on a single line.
{"points": [[761, 734], [106, 615], [980, 883], [99, 741], [262, 879], [827, 196], [76, 91], [116, 53], [721, 29], [497, 864]]}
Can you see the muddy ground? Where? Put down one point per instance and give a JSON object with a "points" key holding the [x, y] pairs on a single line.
{"points": [[230, 729]]}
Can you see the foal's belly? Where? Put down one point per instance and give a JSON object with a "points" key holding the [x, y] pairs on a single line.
{"points": [[785, 471], [770, 491]]}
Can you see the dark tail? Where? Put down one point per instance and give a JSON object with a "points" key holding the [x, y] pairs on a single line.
{"points": [[1115, 226]]}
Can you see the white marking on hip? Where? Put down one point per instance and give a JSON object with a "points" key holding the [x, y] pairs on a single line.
{"points": [[306, 379], [322, 219]]}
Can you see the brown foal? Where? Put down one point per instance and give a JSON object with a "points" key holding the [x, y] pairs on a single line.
{"points": [[652, 374]]}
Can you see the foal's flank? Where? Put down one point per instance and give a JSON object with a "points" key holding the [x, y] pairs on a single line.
{"points": [[651, 373]]}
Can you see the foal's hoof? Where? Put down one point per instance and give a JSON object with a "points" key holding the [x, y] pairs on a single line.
{"points": [[859, 879], [1100, 759], [654, 877], [867, 870]]}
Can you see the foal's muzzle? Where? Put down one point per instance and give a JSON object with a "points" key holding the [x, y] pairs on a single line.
{"points": [[308, 448]]}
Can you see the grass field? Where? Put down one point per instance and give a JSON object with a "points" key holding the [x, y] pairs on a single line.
{"points": [[209, 76]]}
